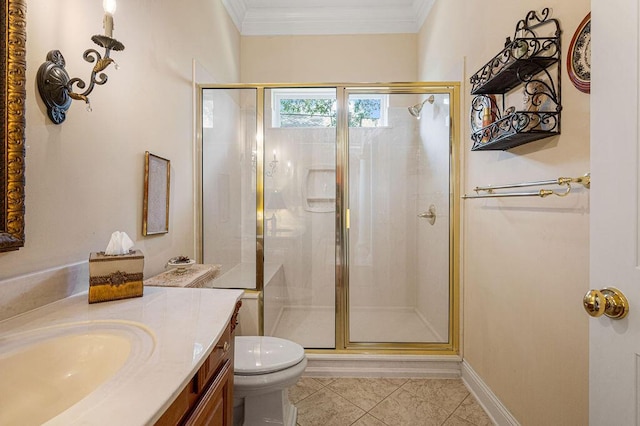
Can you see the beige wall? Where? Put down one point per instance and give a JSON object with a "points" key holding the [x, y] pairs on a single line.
{"points": [[525, 261], [85, 177], [340, 58]]}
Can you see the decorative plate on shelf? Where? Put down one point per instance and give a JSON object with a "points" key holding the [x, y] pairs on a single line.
{"points": [[579, 57], [536, 98], [478, 104], [538, 101]]}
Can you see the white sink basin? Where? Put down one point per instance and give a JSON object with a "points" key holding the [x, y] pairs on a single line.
{"points": [[47, 370]]}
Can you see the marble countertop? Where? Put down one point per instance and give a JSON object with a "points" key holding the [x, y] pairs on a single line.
{"points": [[184, 325], [196, 276]]}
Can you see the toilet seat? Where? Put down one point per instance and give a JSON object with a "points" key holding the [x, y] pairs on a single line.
{"points": [[264, 354]]}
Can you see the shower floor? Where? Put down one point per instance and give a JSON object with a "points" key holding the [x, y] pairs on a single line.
{"points": [[314, 327]]}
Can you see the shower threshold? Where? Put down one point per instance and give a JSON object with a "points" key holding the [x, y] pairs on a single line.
{"points": [[314, 327]]}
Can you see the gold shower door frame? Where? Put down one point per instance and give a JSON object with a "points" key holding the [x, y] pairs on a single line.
{"points": [[343, 90]]}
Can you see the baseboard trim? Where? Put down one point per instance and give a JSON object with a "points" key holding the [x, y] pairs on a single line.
{"points": [[486, 398], [359, 365]]}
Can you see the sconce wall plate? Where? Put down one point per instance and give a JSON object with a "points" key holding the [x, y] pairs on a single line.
{"points": [[55, 86], [52, 84]]}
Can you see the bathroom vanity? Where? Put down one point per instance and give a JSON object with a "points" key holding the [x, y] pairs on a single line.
{"points": [[208, 397], [163, 358]]}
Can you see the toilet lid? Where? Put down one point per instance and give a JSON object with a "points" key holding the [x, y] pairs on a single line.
{"points": [[263, 354]]}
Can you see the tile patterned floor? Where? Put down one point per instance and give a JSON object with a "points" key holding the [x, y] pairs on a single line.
{"points": [[324, 401]]}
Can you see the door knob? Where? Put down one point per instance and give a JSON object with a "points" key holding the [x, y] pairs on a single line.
{"points": [[609, 301]]}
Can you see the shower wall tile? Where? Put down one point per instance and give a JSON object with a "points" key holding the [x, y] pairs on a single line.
{"points": [[307, 250], [274, 300], [384, 163], [223, 193], [433, 240]]}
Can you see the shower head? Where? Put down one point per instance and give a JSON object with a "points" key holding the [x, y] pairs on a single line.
{"points": [[417, 108]]}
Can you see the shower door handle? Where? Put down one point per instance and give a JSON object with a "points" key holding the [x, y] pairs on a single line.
{"points": [[430, 214]]}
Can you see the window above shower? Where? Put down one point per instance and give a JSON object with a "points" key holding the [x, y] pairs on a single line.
{"points": [[317, 108]]}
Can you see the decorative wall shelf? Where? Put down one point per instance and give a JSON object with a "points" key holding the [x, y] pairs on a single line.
{"points": [[524, 62]]}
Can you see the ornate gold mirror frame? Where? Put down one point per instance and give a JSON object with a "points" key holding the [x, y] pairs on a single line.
{"points": [[12, 108]]}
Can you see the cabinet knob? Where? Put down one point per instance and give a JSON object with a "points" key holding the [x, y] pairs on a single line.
{"points": [[225, 347]]}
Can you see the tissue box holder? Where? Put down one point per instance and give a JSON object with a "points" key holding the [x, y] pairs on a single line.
{"points": [[115, 277]]}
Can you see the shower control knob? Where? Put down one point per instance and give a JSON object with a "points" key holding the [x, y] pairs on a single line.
{"points": [[609, 301], [429, 214]]}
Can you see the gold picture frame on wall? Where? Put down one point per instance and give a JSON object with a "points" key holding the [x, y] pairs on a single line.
{"points": [[12, 107], [157, 173]]}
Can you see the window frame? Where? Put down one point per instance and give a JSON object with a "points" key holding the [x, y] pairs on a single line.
{"points": [[322, 93]]}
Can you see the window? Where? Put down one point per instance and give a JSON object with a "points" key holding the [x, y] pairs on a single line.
{"points": [[317, 108]]}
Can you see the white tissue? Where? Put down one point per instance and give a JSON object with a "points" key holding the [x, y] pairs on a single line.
{"points": [[120, 243]]}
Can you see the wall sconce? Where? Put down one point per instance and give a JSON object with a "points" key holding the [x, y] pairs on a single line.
{"points": [[57, 89], [273, 166]]}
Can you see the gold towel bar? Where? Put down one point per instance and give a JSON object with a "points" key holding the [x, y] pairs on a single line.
{"points": [[561, 181]]}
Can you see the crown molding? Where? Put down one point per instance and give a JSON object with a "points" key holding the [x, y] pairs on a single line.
{"points": [[293, 17], [237, 9], [422, 9]]}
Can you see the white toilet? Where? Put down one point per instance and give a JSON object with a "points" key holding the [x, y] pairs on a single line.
{"points": [[264, 367]]}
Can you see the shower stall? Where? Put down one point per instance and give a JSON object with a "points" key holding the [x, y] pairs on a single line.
{"points": [[338, 204]]}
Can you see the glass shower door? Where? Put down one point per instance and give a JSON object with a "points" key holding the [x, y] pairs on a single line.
{"points": [[399, 192], [299, 215], [228, 191]]}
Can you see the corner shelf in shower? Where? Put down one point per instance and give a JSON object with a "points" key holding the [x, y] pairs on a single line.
{"points": [[524, 62], [319, 189]]}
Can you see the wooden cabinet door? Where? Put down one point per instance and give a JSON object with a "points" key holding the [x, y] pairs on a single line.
{"points": [[215, 408]]}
